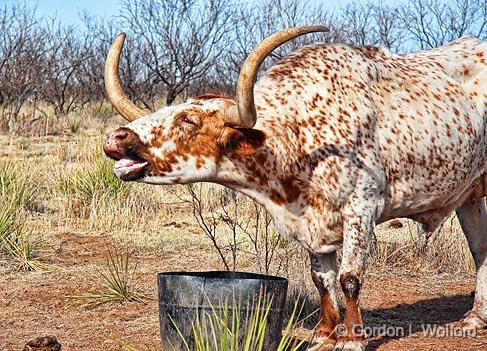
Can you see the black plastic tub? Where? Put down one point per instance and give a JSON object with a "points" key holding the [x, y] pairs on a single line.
{"points": [[185, 295]]}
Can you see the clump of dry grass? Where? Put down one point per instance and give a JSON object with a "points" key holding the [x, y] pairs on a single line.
{"points": [[118, 280], [17, 191], [94, 199], [412, 249], [86, 183], [17, 188], [19, 243], [90, 184]]}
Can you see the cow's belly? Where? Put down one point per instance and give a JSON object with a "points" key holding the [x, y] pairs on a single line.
{"points": [[433, 214], [434, 209]]}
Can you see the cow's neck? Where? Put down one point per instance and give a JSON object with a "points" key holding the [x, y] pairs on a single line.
{"points": [[268, 176]]}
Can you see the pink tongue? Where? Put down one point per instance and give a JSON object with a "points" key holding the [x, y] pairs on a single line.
{"points": [[125, 167], [126, 162]]}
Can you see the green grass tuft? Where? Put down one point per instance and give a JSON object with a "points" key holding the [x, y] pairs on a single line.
{"points": [[118, 280], [93, 183], [17, 188], [75, 127], [221, 329], [17, 242]]}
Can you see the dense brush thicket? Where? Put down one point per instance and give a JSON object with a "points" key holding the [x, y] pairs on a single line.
{"points": [[177, 48]]}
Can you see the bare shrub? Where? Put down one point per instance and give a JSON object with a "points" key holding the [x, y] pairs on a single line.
{"points": [[431, 23], [22, 47], [184, 38], [136, 78], [61, 80], [373, 23], [239, 228], [253, 21]]}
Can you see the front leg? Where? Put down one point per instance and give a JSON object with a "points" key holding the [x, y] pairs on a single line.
{"points": [[357, 231], [323, 273]]}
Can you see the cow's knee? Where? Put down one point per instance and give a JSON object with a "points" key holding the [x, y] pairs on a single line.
{"points": [[351, 285], [352, 321]]}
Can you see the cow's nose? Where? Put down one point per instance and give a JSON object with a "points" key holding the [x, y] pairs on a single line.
{"points": [[117, 143]]}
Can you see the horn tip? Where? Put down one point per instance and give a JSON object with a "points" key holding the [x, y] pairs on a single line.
{"points": [[317, 28], [121, 36]]}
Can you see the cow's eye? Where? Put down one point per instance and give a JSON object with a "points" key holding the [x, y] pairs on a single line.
{"points": [[184, 118], [188, 121]]}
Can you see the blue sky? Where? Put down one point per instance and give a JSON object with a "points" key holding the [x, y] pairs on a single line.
{"points": [[68, 10]]}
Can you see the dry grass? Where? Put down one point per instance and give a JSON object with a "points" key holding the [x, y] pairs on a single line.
{"points": [[17, 188], [411, 249], [17, 242]]}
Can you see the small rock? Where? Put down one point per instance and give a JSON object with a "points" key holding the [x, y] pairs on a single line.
{"points": [[43, 343]]}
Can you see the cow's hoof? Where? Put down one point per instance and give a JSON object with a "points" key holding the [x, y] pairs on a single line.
{"points": [[321, 343], [473, 321], [350, 346]]}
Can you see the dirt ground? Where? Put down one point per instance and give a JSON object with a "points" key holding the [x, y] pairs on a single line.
{"points": [[36, 304]]}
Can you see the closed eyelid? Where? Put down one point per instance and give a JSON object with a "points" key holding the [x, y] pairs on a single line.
{"points": [[188, 118]]}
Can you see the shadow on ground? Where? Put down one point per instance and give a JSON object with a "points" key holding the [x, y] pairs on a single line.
{"points": [[412, 318]]}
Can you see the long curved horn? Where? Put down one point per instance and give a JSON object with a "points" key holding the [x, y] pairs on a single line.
{"points": [[245, 115], [115, 93]]}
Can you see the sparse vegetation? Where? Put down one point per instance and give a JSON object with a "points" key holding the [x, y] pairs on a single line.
{"points": [[17, 196], [445, 250], [236, 227], [118, 280], [95, 180], [221, 329], [17, 186], [17, 242], [74, 127], [88, 185]]}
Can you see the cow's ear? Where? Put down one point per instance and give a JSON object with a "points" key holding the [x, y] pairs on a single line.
{"points": [[242, 141]]}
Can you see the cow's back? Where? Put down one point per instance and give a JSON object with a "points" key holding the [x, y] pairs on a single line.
{"points": [[422, 115]]}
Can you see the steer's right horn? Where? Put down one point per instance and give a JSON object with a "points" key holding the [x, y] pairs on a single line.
{"points": [[115, 93], [244, 114]]}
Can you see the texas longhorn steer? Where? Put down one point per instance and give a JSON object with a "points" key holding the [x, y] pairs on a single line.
{"points": [[336, 139]]}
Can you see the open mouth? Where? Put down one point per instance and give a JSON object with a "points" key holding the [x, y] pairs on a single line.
{"points": [[129, 168]]}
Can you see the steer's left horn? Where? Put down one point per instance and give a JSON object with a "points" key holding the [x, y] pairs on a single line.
{"points": [[244, 114], [115, 93]]}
